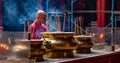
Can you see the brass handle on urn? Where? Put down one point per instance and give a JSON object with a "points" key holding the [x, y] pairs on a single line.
{"points": [[47, 44]]}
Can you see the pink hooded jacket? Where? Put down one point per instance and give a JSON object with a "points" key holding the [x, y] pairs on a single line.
{"points": [[36, 29]]}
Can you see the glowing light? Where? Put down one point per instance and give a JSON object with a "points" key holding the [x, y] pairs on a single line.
{"points": [[4, 46], [93, 34], [1, 45], [101, 35], [7, 48], [19, 47]]}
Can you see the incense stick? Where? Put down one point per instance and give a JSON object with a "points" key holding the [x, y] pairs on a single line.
{"points": [[24, 29], [75, 28], [64, 21]]}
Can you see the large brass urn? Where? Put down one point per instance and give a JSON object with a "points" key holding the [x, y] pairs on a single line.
{"points": [[84, 43], [59, 44], [37, 50], [32, 49], [21, 48]]}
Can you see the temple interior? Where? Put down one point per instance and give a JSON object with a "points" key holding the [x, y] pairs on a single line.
{"points": [[79, 31]]}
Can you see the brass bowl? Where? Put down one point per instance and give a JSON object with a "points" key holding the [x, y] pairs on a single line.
{"points": [[59, 41], [84, 43]]}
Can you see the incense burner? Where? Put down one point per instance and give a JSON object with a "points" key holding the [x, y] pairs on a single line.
{"points": [[59, 44], [37, 50], [84, 43], [32, 49], [21, 48]]}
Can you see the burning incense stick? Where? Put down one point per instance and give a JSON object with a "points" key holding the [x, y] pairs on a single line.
{"points": [[24, 29], [75, 27], [59, 24], [64, 21]]}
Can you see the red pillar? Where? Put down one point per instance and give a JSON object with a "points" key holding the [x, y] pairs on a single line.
{"points": [[0, 12], [98, 14], [101, 6]]}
